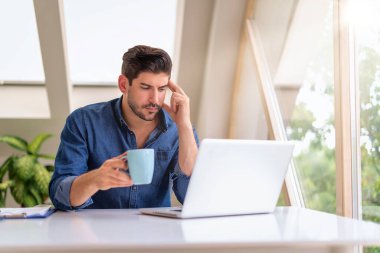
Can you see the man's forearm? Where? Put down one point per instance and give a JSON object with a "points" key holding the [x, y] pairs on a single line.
{"points": [[82, 189], [108, 176], [188, 149]]}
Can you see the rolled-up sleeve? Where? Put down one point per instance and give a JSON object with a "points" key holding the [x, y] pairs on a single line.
{"points": [[62, 195], [180, 180], [70, 162], [180, 183]]}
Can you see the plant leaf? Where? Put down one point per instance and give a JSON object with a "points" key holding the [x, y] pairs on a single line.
{"points": [[24, 167], [36, 194], [18, 191], [2, 198], [42, 179], [50, 168], [29, 200], [50, 157], [12, 169], [35, 145], [15, 142], [5, 167], [4, 186]]}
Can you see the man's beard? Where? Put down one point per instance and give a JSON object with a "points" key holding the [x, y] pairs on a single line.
{"points": [[135, 108]]}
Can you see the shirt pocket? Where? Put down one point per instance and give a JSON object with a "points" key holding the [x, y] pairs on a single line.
{"points": [[161, 166]]}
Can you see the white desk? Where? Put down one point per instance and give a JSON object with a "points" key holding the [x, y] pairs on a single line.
{"points": [[286, 230]]}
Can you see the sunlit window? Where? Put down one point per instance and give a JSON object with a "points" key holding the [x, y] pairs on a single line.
{"points": [[100, 31], [308, 67], [366, 20], [20, 52]]}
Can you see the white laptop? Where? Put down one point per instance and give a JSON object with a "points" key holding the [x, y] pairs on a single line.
{"points": [[233, 177]]}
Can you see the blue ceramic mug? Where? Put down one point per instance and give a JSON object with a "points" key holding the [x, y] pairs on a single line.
{"points": [[141, 165]]}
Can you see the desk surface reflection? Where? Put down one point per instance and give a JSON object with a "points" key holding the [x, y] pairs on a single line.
{"points": [[126, 230]]}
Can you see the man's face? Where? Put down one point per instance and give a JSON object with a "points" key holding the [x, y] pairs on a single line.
{"points": [[147, 94]]}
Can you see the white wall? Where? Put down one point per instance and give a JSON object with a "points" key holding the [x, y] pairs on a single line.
{"points": [[215, 104]]}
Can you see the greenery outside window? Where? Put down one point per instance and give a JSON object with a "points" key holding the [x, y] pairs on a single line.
{"points": [[313, 125]]}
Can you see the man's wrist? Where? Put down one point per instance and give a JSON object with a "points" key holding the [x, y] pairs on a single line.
{"points": [[85, 185], [185, 126], [93, 181]]}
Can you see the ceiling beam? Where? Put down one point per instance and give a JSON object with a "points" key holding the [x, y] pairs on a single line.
{"points": [[50, 25], [195, 33], [222, 55]]}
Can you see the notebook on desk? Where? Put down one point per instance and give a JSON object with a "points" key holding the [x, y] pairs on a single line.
{"points": [[233, 177]]}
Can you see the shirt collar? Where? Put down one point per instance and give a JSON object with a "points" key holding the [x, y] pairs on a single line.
{"points": [[163, 116]]}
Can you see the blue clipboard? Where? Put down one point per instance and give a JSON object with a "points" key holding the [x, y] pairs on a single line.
{"points": [[20, 213]]}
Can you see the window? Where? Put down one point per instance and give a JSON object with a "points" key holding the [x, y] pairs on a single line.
{"points": [[100, 31], [366, 23], [20, 60], [305, 72]]}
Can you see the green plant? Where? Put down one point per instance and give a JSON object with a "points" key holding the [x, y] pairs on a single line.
{"points": [[28, 178]]}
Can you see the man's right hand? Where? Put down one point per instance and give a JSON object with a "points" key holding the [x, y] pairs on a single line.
{"points": [[110, 175]]}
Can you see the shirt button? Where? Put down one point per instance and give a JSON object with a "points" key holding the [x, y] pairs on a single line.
{"points": [[134, 188]]}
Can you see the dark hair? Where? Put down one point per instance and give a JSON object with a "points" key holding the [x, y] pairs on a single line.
{"points": [[145, 59]]}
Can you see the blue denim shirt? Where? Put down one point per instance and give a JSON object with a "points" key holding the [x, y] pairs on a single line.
{"points": [[98, 132]]}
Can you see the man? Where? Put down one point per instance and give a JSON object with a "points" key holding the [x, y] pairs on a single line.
{"points": [[89, 164]]}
